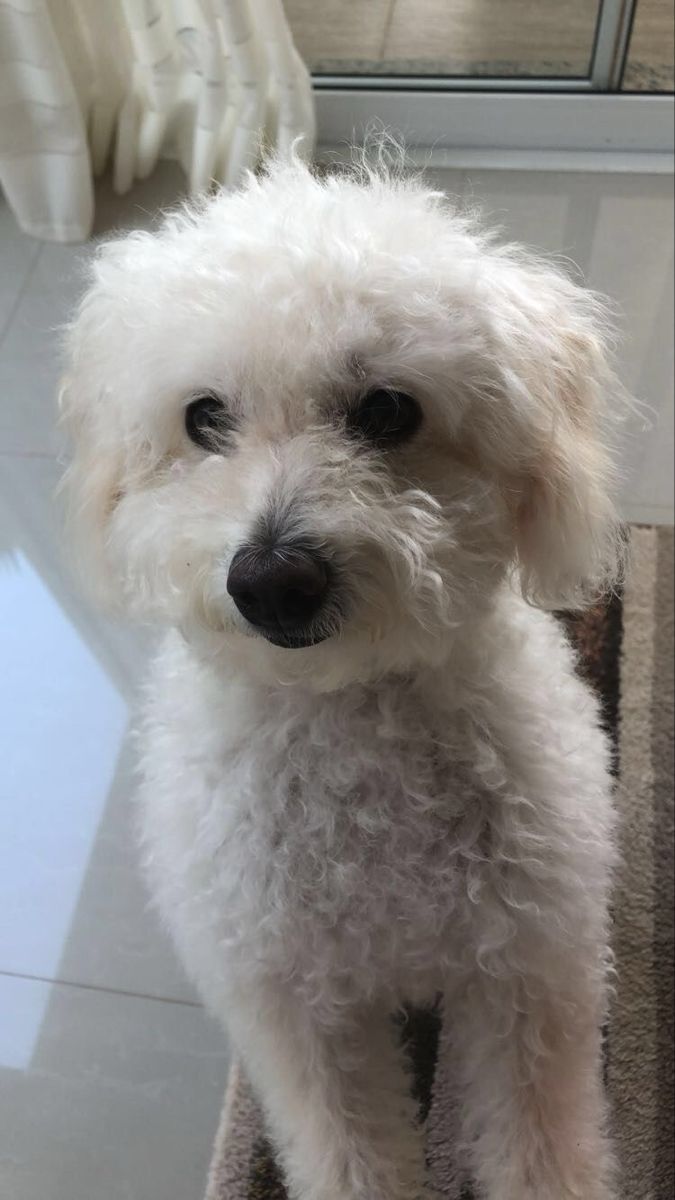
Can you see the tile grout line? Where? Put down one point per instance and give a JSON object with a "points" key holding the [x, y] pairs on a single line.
{"points": [[94, 987], [21, 293]]}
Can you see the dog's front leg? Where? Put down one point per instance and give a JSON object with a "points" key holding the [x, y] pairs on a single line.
{"points": [[529, 1059], [336, 1098]]}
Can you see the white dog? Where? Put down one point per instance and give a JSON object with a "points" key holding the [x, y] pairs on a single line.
{"points": [[346, 449]]}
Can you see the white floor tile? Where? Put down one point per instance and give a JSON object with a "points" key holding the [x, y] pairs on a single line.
{"points": [[30, 354], [49, 295], [72, 905], [114, 938], [105, 1097], [28, 404], [18, 255], [31, 360]]}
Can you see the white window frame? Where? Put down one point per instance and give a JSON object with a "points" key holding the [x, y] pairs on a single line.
{"points": [[510, 132]]}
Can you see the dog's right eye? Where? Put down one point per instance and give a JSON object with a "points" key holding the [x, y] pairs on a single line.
{"points": [[385, 417], [207, 422]]}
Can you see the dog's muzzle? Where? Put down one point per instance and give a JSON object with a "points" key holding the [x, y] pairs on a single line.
{"points": [[280, 590]]}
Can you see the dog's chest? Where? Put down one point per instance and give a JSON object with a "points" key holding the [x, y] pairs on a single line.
{"points": [[331, 831]]}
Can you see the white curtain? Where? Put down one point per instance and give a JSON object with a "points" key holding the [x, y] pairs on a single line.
{"points": [[87, 82]]}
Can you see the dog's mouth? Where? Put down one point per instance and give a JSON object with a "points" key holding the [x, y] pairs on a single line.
{"points": [[293, 641]]}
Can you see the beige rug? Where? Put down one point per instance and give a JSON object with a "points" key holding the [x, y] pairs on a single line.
{"points": [[627, 650]]}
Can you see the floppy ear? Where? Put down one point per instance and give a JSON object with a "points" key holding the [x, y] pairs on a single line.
{"points": [[559, 397]]}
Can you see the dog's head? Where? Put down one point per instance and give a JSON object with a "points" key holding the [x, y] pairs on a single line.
{"points": [[317, 422]]}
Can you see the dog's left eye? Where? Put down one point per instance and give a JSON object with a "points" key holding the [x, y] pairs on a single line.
{"points": [[207, 422], [385, 417]]}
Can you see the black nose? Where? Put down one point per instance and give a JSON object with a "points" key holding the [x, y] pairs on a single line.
{"points": [[279, 589]]}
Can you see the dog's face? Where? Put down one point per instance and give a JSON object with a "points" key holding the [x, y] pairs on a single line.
{"points": [[316, 423]]}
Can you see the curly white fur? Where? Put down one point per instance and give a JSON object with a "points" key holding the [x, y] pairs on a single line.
{"points": [[421, 802]]}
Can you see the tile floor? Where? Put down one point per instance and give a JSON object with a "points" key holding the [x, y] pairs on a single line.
{"points": [[111, 1074]]}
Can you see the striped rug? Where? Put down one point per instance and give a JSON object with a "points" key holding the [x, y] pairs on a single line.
{"points": [[626, 650]]}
